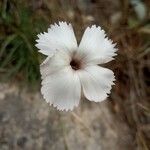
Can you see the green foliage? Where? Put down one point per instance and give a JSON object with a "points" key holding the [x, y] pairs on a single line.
{"points": [[19, 27]]}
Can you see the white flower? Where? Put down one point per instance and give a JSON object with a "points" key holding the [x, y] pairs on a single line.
{"points": [[70, 69]]}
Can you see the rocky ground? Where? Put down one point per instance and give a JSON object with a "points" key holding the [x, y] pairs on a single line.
{"points": [[28, 123]]}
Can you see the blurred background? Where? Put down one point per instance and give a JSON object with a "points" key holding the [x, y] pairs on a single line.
{"points": [[120, 123]]}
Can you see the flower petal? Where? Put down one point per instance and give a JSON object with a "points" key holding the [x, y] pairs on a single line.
{"points": [[53, 64], [96, 46], [96, 82], [58, 37], [62, 89]]}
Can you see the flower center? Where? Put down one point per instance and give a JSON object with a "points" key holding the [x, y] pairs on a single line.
{"points": [[75, 64]]}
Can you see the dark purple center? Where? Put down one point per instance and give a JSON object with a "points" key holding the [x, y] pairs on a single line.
{"points": [[75, 64]]}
